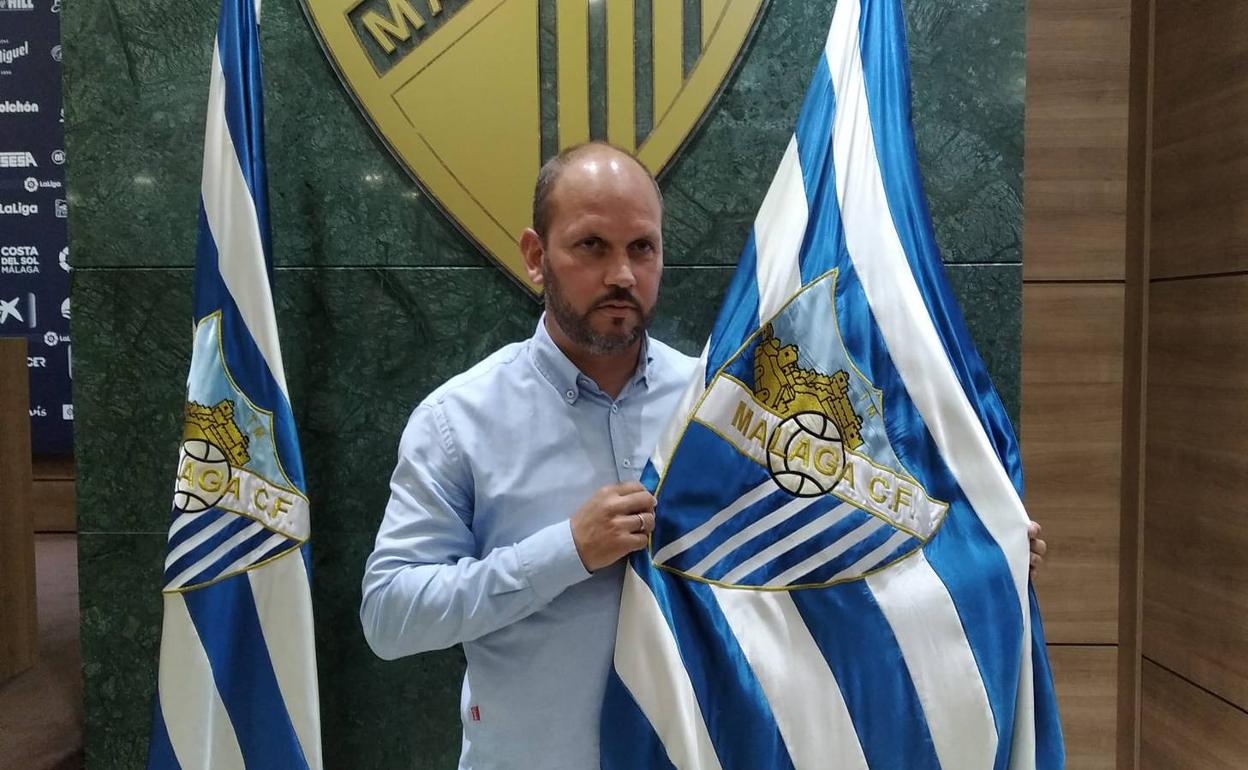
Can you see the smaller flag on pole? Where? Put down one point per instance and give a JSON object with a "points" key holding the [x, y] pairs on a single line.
{"points": [[237, 684]]}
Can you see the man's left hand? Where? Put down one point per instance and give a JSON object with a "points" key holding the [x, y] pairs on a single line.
{"points": [[1038, 546]]}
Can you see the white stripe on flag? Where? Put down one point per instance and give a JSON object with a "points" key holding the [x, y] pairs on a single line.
{"points": [[786, 544], [914, 345], [237, 539], [817, 560], [231, 214], [778, 232], [252, 556], [195, 540], [199, 727], [703, 530], [929, 632], [799, 686], [284, 603], [648, 663], [778, 516], [873, 559], [676, 425]]}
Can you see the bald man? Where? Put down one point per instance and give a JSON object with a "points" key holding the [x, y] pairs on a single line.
{"points": [[516, 493]]}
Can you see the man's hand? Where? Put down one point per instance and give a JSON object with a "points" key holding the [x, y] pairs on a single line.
{"points": [[615, 521], [1038, 547]]}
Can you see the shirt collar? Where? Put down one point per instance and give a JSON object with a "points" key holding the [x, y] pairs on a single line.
{"points": [[563, 375]]}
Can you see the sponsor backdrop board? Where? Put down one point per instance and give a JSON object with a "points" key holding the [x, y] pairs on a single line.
{"points": [[34, 252]]}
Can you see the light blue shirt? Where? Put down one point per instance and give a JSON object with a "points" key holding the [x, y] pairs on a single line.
{"points": [[476, 546]]}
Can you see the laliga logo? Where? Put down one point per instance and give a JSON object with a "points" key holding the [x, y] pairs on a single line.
{"points": [[205, 477]]}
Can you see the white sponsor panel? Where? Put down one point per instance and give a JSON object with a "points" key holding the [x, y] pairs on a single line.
{"points": [[67, 411], [61, 207]]}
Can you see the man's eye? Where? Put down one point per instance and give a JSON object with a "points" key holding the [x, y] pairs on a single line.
{"points": [[591, 243], [644, 247]]}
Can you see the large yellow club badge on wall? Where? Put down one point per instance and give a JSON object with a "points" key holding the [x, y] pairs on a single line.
{"points": [[472, 96]]}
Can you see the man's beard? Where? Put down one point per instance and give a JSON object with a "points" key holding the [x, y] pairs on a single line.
{"points": [[577, 325]]}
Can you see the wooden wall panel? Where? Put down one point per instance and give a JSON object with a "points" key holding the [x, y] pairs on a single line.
{"points": [[1071, 437], [1075, 166], [19, 626], [1086, 682], [1185, 728], [1196, 521], [1200, 138], [53, 494]]}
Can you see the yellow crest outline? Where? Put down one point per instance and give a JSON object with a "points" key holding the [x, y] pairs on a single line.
{"points": [[457, 100]]}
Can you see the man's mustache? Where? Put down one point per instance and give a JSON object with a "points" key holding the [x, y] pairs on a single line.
{"points": [[618, 294]]}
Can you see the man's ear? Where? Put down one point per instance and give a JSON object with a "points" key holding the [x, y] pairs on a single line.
{"points": [[532, 250]]}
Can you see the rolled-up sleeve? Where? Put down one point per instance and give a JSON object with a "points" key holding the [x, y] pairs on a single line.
{"points": [[424, 588]]}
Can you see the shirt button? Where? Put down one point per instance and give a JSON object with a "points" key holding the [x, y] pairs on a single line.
{"points": [[571, 394], [628, 463], [615, 409]]}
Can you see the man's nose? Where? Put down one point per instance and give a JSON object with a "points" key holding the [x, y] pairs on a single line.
{"points": [[620, 271]]}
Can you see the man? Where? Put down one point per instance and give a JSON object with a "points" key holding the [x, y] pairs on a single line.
{"points": [[516, 492]]}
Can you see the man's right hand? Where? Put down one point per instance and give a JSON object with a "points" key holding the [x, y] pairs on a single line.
{"points": [[615, 521]]}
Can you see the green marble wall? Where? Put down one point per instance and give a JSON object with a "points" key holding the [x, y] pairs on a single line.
{"points": [[380, 299]]}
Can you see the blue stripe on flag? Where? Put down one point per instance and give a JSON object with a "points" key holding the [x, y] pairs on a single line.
{"points": [[884, 60], [738, 316], [236, 525], [773, 534], [219, 566], [629, 742], [989, 610], [228, 625], [160, 754], [200, 522], [738, 718], [238, 40], [871, 672], [840, 529], [856, 552], [242, 356], [1050, 746]]}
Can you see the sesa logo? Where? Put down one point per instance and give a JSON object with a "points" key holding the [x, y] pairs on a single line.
{"points": [[10, 55], [17, 159]]}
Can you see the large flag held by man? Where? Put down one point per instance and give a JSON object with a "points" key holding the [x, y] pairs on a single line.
{"points": [[237, 684], [838, 575]]}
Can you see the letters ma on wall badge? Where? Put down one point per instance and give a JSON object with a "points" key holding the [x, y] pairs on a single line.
{"points": [[472, 96]]}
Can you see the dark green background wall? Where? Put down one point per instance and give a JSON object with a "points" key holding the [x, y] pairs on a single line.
{"points": [[380, 299]]}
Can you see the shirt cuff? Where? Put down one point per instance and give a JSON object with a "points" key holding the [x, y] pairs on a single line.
{"points": [[550, 560]]}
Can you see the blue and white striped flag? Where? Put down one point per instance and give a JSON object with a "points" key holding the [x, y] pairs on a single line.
{"points": [[838, 576], [237, 685]]}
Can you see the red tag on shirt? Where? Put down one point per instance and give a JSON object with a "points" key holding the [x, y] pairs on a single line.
{"points": [[476, 713]]}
